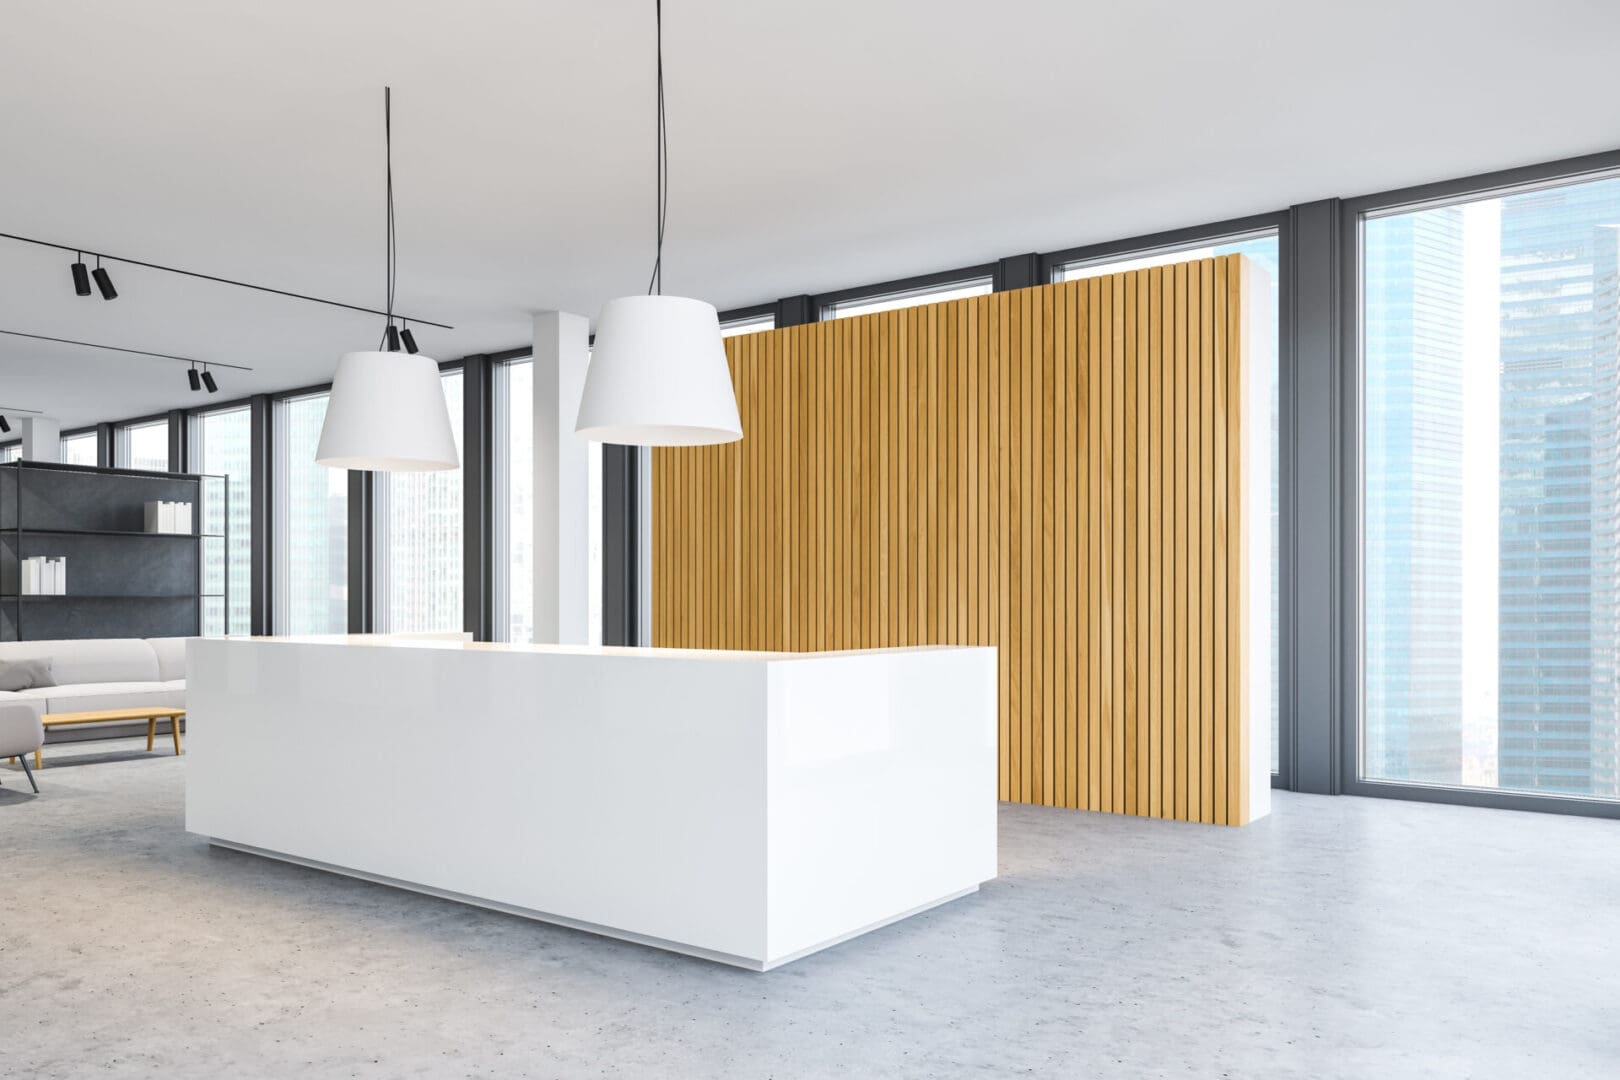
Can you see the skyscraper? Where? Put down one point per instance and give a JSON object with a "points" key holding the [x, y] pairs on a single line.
{"points": [[312, 525], [419, 546], [1413, 327], [1559, 592]]}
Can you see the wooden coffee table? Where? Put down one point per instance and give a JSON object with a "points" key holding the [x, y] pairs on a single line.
{"points": [[99, 716]]}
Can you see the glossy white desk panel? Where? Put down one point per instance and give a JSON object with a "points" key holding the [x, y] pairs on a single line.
{"points": [[743, 807]]}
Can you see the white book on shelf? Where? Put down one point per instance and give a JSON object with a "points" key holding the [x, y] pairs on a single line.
{"points": [[30, 576], [154, 517], [183, 519], [61, 575]]}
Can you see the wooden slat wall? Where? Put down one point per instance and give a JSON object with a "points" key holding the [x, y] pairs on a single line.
{"points": [[1054, 471]]}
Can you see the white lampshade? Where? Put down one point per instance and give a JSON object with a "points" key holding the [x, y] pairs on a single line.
{"points": [[387, 413], [658, 376]]}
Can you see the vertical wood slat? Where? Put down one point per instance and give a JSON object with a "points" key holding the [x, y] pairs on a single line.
{"points": [[1192, 466], [1239, 372], [1179, 549], [1057, 471], [1167, 514], [1044, 349], [1129, 614], [1057, 588], [1093, 576], [1206, 536], [1109, 718], [1139, 514]]}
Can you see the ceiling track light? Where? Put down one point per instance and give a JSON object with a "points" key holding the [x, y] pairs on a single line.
{"points": [[408, 338], [392, 337], [81, 276], [196, 379], [104, 281], [5, 425], [215, 278]]}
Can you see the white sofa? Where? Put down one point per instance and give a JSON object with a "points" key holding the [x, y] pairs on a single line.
{"points": [[102, 673]]}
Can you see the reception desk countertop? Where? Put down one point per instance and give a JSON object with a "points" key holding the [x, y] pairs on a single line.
{"points": [[747, 808]]}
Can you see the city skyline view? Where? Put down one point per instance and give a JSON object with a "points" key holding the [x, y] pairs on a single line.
{"points": [[1491, 519]]}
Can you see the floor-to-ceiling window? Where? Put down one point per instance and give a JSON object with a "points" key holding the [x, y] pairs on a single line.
{"points": [[221, 444], [310, 571], [1262, 250], [959, 289], [77, 449], [142, 445], [514, 500], [417, 571], [1490, 515], [747, 324], [514, 508], [81, 449]]}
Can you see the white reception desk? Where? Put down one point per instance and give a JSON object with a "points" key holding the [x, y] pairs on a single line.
{"points": [[748, 808]]}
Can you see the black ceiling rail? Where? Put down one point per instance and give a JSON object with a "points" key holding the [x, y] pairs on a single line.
{"points": [[120, 348], [221, 280]]}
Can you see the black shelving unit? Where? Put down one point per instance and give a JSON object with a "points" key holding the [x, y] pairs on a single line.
{"points": [[122, 580]]}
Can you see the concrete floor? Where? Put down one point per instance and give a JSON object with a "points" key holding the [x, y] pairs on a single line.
{"points": [[1340, 937]]}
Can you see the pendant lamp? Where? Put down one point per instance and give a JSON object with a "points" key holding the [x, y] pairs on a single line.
{"points": [[658, 374], [387, 412]]}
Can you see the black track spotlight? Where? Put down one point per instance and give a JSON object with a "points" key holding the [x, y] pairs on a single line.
{"points": [[103, 281], [409, 339], [5, 425], [393, 338], [208, 381], [194, 379], [81, 277]]}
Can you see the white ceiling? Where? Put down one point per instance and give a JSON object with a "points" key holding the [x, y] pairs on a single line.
{"points": [[813, 146]]}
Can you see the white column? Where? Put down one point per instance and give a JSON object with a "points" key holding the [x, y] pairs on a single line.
{"points": [[561, 486], [41, 439]]}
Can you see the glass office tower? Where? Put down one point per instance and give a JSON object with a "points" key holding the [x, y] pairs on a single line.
{"points": [[1558, 586], [311, 520], [1413, 333]]}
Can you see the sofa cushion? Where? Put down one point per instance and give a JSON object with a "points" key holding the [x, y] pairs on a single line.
{"points": [[22, 674], [97, 660], [171, 657], [84, 697]]}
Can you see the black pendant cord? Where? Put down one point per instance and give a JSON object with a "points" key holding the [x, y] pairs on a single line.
{"points": [[390, 339], [661, 183]]}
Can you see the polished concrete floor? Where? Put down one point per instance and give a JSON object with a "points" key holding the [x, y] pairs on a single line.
{"points": [[1338, 938]]}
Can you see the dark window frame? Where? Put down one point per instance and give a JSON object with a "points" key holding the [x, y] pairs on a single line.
{"points": [[1353, 215]]}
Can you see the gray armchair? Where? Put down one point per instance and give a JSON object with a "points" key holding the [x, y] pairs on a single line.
{"points": [[20, 735]]}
